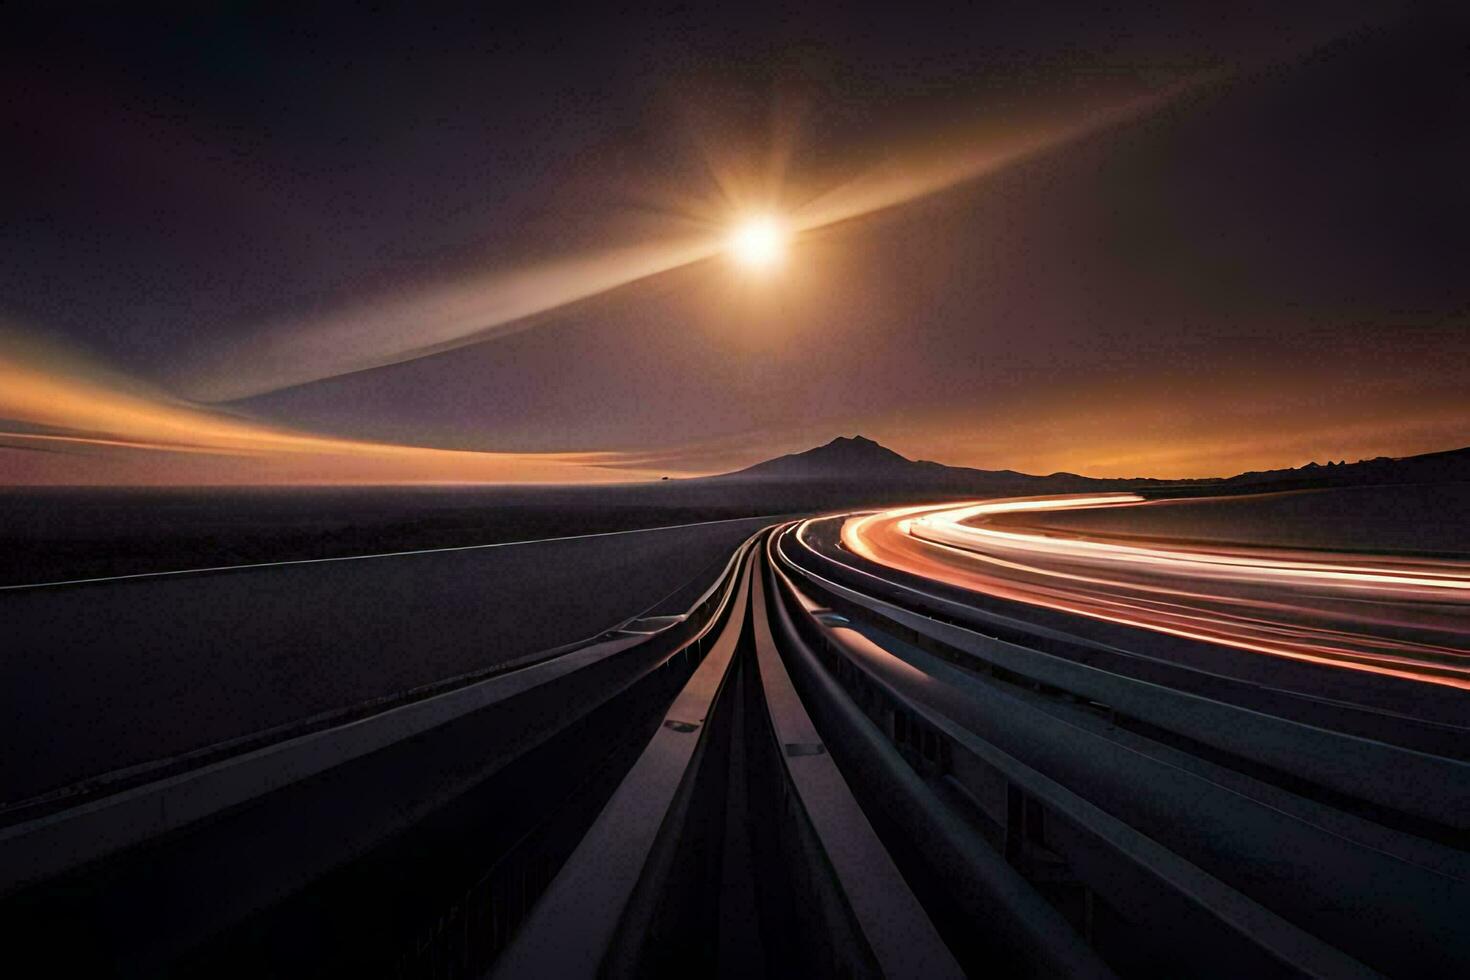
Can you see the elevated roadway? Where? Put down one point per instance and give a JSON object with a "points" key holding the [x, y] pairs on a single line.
{"points": [[825, 764]]}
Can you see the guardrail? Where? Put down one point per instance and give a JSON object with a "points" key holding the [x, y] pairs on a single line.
{"points": [[801, 775], [285, 818], [965, 881], [1387, 895], [1427, 793], [733, 844]]}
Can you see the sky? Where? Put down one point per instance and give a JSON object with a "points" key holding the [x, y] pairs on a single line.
{"points": [[376, 246]]}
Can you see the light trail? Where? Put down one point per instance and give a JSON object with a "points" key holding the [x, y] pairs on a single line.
{"points": [[1405, 617]]}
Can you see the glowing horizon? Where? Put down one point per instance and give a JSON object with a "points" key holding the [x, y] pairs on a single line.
{"points": [[1160, 416], [100, 424]]}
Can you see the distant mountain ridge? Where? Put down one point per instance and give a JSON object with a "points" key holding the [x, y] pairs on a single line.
{"points": [[858, 459], [1449, 466]]}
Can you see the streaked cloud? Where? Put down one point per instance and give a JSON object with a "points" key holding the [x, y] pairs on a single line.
{"points": [[92, 425], [418, 322]]}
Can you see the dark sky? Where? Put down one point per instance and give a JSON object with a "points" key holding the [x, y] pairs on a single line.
{"points": [[1262, 261]]}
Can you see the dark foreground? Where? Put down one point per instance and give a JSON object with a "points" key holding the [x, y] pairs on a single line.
{"points": [[51, 534], [824, 768], [116, 673]]}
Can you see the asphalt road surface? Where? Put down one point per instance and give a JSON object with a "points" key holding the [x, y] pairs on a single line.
{"points": [[110, 674]]}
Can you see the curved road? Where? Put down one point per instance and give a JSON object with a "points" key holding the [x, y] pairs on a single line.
{"points": [[1406, 617], [828, 766]]}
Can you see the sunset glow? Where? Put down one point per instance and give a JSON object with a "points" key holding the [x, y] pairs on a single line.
{"points": [[911, 491]]}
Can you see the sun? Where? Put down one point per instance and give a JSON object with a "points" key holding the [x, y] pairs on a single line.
{"points": [[758, 242]]}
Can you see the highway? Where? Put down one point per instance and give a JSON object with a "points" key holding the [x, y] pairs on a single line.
{"points": [[1398, 616], [124, 671], [836, 761], [1267, 788]]}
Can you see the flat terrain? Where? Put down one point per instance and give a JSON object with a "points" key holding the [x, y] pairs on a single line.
{"points": [[111, 674], [67, 533], [1411, 518]]}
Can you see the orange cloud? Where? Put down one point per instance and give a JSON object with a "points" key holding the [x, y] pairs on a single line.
{"points": [[94, 426]]}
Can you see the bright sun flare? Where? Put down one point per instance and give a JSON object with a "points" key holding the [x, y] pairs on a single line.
{"points": [[758, 242]]}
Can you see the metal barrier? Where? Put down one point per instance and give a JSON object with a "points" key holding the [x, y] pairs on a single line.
{"points": [[1430, 794], [1386, 897], [294, 828]]}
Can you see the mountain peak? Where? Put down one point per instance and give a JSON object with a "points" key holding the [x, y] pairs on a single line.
{"points": [[858, 460], [854, 456], [854, 445], [853, 452]]}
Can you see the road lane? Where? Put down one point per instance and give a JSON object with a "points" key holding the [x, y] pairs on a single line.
{"points": [[1399, 616], [116, 673]]}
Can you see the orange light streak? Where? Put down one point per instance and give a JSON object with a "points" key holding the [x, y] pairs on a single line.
{"points": [[1407, 618]]}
